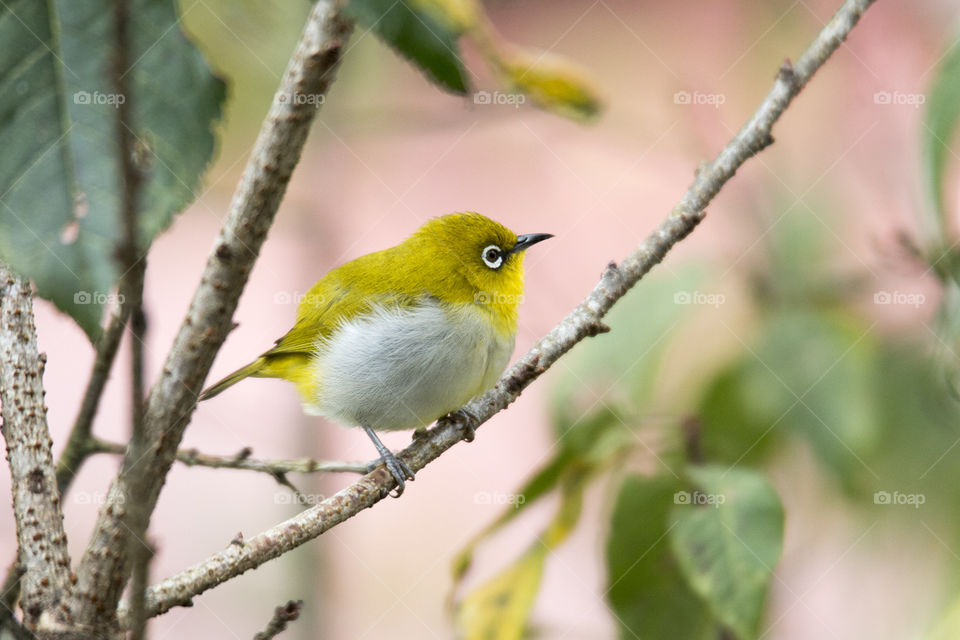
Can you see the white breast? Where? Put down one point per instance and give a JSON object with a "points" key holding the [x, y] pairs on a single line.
{"points": [[402, 368]]}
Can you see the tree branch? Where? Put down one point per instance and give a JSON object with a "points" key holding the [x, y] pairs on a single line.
{"points": [[41, 540], [105, 568], [582, 322], [79, 441], [132, 265], [242, 460], [282, 616]]}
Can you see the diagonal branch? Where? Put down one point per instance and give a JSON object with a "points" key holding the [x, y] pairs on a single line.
{"points": [[105, 567], [41, 540], [582, 322]]}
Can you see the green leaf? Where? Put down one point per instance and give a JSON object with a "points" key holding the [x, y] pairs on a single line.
{"points": [[727, 537], [60, 176], [940, 124], [734, 428], [812, 375], [646, 590], [413, 30]]}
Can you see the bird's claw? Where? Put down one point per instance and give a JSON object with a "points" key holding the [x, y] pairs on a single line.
{"points": [[467, 421], [397, 468]]}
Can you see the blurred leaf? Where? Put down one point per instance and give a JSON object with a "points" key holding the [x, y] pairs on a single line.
{"points": [[499, 609], [813, 375], [800, 267], [646, 589], [553, 82], [940, 124], [948, 627], [919, 427], [593, 447], [822, 365], [456, 16], [59, 173], [733, 429], [619, 370], [728, 544], [946, 331], [424, 31]]}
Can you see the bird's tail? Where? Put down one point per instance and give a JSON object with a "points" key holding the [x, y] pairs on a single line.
{"points": [[289, 366], [252, 369]]}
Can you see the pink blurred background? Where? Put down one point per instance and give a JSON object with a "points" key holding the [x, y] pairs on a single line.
{"points": [[389, 152]]}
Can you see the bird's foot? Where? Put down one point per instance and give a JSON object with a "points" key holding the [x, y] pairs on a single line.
{"points": [[400, 472], [467, 421], [397, 467]]}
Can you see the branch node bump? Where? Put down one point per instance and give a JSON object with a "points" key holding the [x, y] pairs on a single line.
{"points": [[596, 328], [788, 75]]}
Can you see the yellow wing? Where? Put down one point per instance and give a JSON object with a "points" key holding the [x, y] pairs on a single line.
{"points": [[329, 302]]}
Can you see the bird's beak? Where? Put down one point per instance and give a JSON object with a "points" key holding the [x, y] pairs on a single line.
{"points": [[527, 240]]}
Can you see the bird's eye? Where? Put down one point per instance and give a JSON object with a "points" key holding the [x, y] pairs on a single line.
{"points": [[492, 256]]}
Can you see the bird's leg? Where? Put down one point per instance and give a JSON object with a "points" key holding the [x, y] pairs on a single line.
{"points": [[397, 467], [467, 421]]}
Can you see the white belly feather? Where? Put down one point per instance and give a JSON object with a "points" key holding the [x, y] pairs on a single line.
{"points": [[402, 368]]}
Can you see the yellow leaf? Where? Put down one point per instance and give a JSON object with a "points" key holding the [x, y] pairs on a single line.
{"points": [[553, 82], [456, 15], [499, 609], [948, 628]]}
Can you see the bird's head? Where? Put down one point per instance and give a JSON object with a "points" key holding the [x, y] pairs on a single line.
{"points": [[475, 259]]}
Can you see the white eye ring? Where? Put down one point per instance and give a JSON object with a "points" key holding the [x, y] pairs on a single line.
{"points": [[492, 256]]}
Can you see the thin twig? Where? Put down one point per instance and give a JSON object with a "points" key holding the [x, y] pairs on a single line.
{"points": [[242, 460], [41, 539], [105, 567], [583, 321], [132, 264], [282, 616]]}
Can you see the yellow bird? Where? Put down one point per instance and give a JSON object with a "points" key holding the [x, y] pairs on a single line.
{"points": [[401, 337]]}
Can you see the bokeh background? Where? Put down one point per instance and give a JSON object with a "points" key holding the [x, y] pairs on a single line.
{"points": [[815, 226]]}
